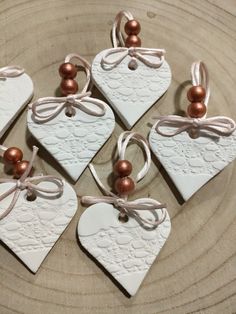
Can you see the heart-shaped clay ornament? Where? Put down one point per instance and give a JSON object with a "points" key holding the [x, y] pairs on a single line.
{"points": [[15, 93], [190, 162], [73, 141], [32, 228], [125, 250], [131, 92]]}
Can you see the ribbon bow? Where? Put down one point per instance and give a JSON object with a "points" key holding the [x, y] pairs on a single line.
{"points": [[219, 125], [69, 102], [27, 183], [129, 208], [139, 53], [11, 71]]}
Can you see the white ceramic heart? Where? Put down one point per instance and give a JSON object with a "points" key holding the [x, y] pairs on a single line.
{"points": [[125, 250], [32, 228], [73, 141], [190, 162], [15, 93], [130, 92]]}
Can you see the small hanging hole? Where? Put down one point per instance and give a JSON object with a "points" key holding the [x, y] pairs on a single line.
{"points": [[123, 218], [133, 65], [194, 133], [31, 197], [70, 112]]}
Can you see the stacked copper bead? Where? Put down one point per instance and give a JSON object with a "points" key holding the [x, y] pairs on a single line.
{"points": [[14, 156], [132, 29], [197, 108], [124, 185], [68, 72]]}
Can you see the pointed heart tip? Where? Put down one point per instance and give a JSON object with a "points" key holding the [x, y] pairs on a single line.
{"points": [[34, 259]]}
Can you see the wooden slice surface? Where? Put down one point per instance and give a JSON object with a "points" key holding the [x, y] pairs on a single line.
{"points": [[196, 270]]}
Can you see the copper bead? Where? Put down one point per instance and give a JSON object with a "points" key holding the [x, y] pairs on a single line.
{"points": [[12, 155], [132, 41], [132, 27], [20, 167], [196, 93], [196, 110], [123, 168], [67, 70], [68, 87], [124, 186]]}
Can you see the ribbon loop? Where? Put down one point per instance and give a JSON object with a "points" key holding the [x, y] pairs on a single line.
{"points": [[54, 105], [11, 71], [219, 125], [26, 183], [109, 62], [130, 208]]}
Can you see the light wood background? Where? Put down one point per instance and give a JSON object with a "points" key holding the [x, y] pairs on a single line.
{"points": [[196, 270]]}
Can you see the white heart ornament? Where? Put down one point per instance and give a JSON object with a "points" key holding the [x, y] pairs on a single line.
{"points": [[73, 141], [15, 93], [130, 92], [32, 228], [189, 162], [125, 250]]}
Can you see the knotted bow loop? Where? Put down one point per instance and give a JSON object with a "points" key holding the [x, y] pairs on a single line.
{"points": [[126, 207], [219, 125], [47, 108], [116, 35], [122, 143], [110, 61], [86, 66], [11, 71], [29, 184], [130, 208]]}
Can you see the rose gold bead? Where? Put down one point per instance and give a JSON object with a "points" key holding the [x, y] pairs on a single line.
{"points": [[68, 86], [132, 41], [196, 110], [124, 186], [123, 168], [196, 93], [20, 167], [67, 70], [132, 27], [12, 155]]}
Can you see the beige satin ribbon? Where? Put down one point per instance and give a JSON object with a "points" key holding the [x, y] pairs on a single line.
{"points": [[126, 207], [219, 125], [47, 108], [27, 183], [69, 103], [11, 71], [136, 53]]}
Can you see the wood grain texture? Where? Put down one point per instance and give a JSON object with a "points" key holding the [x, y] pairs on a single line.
{"points": [[196, 270]]}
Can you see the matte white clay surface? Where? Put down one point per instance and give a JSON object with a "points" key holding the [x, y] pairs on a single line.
{"points": [[189, 162], [125, 250], [130, 92], [15, 93], [73, 141], [32, 228]]}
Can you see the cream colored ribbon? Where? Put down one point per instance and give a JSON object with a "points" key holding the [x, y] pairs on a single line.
{"points": [[109, 61], [47, 108], [129, 208], [219, 125], [27, 183], [69, 103], [11, 71], [136, 53]]}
